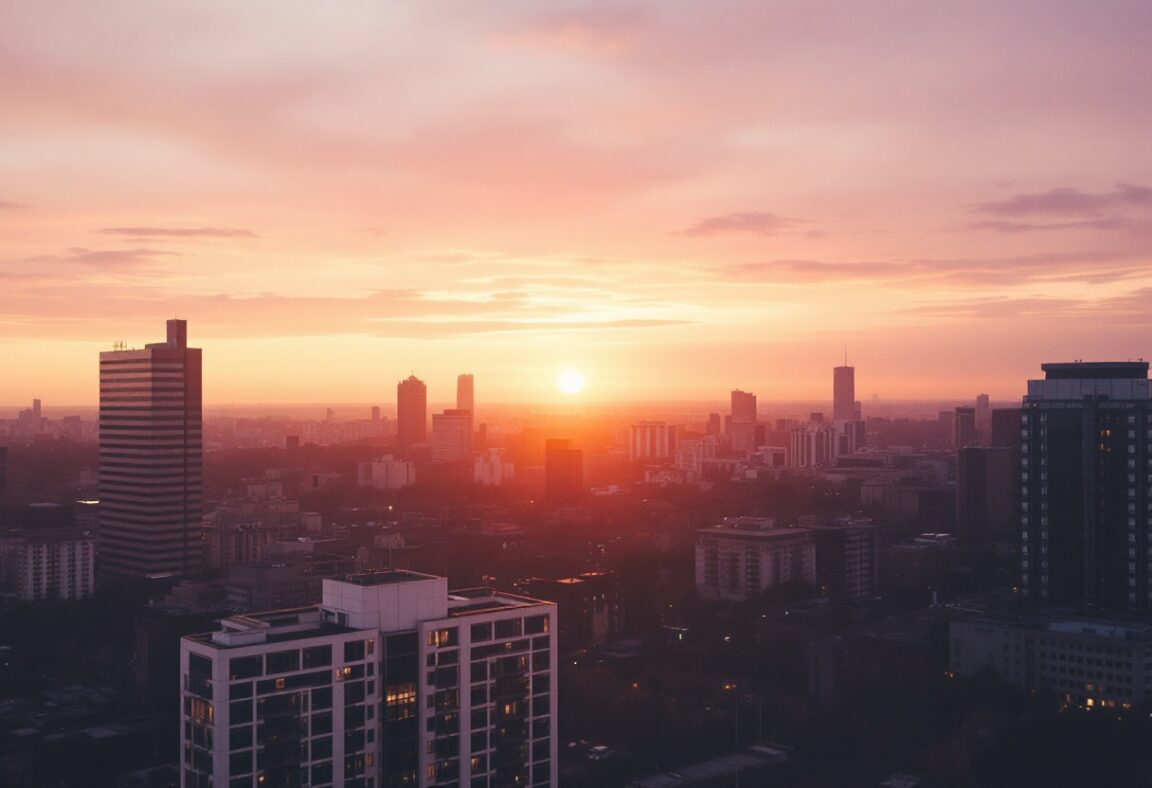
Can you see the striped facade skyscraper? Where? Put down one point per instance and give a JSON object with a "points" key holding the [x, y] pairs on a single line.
{"points": [[151, 458]]}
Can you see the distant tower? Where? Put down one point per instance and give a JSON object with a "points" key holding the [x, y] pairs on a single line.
{"points": [[411, 412], [964, 428], [844, 392], [983, 419], [563, 471], [151, 458], [742, 423], [465, 399]]}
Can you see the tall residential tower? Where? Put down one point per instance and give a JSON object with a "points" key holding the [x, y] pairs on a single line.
{"points": [[151, 458], [1086, 486]]}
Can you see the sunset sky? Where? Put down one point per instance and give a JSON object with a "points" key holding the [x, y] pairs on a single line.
{"points": [[676, 198]]}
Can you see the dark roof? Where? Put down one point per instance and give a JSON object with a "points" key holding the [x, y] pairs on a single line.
{"points": [[1088, 370]]}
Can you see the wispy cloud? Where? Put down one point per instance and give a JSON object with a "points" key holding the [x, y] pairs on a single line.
{"points": [[1029, 227], [102, 258], [745, 223], [6, 205], [1086, 266], [178, 232], [1065, 201]]}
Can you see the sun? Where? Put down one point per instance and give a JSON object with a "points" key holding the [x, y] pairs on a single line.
{"points": [[570, 382]]}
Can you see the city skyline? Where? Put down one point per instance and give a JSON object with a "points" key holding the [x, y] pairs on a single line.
{"points": [[611, 192]]}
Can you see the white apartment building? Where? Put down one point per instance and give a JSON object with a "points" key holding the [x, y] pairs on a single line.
{"points": [[391, 681], [56, 563]]}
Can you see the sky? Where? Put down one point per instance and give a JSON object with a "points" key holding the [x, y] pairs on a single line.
{"points": [[675, 198]]}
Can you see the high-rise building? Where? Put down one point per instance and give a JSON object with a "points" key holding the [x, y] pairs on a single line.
{"points": [[411, 412], [984, 494], [742, 423], [964, 428], [713, 427], [844, 393], [375, 413], [465, 394], [983, 419], [151, 458], [1086, 508], [391, 681], [652, 440], [452, 436], [563, 471]]}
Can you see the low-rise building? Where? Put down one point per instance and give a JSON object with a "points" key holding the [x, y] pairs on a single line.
{"points": [[742, 557]]}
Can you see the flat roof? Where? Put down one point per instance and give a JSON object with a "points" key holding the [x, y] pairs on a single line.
{"points": [[1087, 370], [389, 577], [743, 533]]}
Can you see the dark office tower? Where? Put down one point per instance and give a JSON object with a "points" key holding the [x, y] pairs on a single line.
{"points": [[713, 424], [1006, 428], [563, 471], [984, 493], [151, 458], [843, 393], [375, 413], [1085, 466], [983, 419], [964, 428], [37, 412], [411, 412], [742, 425], [465, 398]]}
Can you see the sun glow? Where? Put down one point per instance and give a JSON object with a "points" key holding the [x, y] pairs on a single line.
{"points": [[570, 382]]}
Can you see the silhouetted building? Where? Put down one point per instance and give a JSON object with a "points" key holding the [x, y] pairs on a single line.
{"points": [[151, 458], [391, 681], [652, 441], [742, 423], [411, 413], [375, 413], [386, 473], [984, 493], [964, 428], [587, 606], [465, 394], [452, 436], [844, 393], [1086, 507], [3, 466], [563, 471], [983, 420], [714, 424], [1006, 429], [846, 565]]}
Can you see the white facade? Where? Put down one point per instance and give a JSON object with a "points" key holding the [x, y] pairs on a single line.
{"points": [[392, 680], [56, 564], [652, 440], [386, 473], [491, 469]]}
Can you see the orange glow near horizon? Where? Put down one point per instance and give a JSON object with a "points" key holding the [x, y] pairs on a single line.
{"points": [[679, 199]]}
